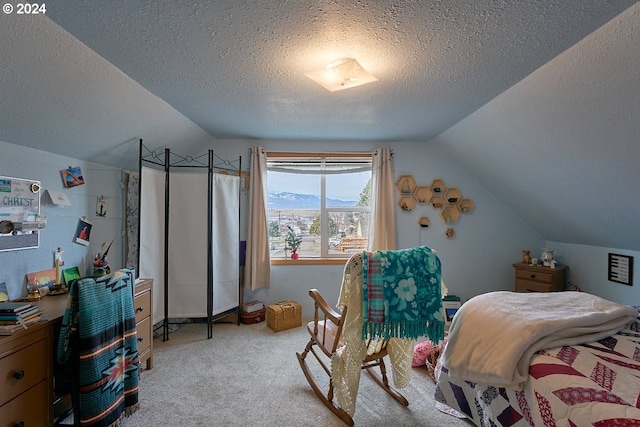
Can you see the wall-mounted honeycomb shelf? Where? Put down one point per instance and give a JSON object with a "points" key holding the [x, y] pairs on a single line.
{"points": [[450, 214], [437, 202], [448, 201], [438, 187], [452, 196], [424, 222], [466, 205], [407, 203], [423, 194], [406, 184]]}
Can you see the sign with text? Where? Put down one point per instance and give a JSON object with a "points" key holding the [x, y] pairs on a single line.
{"points": [[19, 206]]}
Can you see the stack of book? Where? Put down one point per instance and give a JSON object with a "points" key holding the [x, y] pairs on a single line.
{"points": [[15, 316]]}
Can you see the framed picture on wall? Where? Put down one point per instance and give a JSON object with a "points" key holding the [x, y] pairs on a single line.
{"points": [[72, 177], [83, 232]]}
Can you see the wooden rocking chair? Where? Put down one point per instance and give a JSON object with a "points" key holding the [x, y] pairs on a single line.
{"points": [[326, 335]]}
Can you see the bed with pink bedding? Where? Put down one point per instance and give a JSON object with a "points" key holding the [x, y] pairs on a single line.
{"points": [[571, 371]]}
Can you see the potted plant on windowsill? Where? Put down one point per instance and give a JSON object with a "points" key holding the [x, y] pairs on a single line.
{"points": [[292, 241]]}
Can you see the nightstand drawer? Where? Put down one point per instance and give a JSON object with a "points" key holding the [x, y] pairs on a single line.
{"points": [[534, 276], [23, 369], [142, 305], [528, 286]]}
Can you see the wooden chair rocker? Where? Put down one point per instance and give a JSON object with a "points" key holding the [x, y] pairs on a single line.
{"points": [[326, 335]]}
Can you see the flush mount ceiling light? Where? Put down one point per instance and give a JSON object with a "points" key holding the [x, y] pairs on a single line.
{"points": [[343, 73]]}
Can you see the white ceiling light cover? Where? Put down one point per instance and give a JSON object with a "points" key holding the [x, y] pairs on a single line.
{"points": [[343, 73]]}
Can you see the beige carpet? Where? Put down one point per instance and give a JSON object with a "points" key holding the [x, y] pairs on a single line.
{"points": [[248, 375]]}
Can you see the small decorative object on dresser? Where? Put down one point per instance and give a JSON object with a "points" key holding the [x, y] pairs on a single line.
{"points": [[530, 278], [526, 257]]}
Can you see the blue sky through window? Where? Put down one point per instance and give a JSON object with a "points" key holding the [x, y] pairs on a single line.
{"points": [[342, 187]]}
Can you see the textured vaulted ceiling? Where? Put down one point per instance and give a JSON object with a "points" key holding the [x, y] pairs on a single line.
{"points": [[91, 77], [236, 68]]}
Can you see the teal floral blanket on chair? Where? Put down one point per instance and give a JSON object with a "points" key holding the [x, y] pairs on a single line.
{"points": [[99, 335], [402, 294]]}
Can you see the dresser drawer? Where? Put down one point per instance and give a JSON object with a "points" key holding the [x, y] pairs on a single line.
{"points": [[22, 370], [28, 409], [529, 286], [142, 305], [144, 336], [534, 276]]}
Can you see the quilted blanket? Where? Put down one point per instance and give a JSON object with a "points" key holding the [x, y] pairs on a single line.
{"points": [[493, 336], [99, 329], [591, 384]]}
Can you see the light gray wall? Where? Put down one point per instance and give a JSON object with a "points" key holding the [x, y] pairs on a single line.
{"points": [[588, 269], [21, 162], [479, 259]]}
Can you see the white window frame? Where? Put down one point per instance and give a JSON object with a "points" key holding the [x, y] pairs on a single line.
{"points": [[321, 160]]}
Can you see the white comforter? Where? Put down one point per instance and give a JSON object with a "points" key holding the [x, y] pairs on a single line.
{"points": [[493, 336]]}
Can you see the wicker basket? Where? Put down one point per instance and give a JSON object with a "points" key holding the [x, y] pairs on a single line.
{"points": [[284, 315]]}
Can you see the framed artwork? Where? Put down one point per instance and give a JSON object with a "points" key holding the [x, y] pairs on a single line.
{"points": [[4, 293], [72, 177], [42, 278], [620, 269], [83, 232], [70, 274]]}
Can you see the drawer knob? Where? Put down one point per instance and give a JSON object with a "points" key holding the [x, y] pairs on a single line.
{"points": [[139, 309], [19, 424], [19, 374], [533, 276], [140, 339]]}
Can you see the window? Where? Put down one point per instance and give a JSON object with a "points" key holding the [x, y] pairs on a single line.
{"points": [[323, 198]]}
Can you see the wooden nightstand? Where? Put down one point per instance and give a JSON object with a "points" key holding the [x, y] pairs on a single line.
{"points": [[142, 301], [540, 279]]}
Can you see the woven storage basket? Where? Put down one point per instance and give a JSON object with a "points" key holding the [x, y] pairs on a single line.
{"points": [[284, 315]]}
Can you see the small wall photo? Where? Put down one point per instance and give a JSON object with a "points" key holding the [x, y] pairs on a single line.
{"points": [[72, 177], [83, 232]]}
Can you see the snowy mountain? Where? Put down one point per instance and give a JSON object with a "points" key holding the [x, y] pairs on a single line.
{"points": [[302, 201]]}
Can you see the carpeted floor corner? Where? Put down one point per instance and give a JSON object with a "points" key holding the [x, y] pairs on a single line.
{"points": [[248, 375]]}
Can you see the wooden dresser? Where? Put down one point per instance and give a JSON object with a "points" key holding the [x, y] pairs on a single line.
{"points": [[540, 279], [27, 360], [26, 369], [143, 306]]}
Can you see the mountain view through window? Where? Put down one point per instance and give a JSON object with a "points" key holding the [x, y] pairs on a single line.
{"points": [[324, 211]]}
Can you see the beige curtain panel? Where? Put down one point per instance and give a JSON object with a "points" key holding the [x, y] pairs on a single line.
{"points": [[382, 227], [257, 270]]}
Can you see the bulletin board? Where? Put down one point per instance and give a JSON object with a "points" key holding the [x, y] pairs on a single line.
{"points": [[19, 206]]}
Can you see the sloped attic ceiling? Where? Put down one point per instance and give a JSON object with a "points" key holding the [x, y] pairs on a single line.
{"points": [[90, 78], [562, 146], [236, 69]]}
